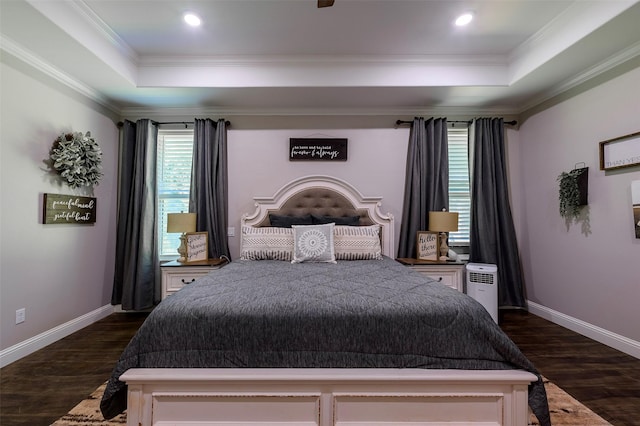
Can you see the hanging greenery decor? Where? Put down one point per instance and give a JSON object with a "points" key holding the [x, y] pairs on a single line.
{"points": [[77, 158], [572, 192]]}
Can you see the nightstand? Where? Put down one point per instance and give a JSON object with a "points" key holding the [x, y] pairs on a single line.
{"points": [[176, 275], [448, 273]]}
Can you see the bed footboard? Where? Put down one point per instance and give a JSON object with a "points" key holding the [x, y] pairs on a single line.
{"points": [[324, 397]]}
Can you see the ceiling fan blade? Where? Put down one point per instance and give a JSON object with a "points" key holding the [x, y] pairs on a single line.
{"points": [[325, 3]]}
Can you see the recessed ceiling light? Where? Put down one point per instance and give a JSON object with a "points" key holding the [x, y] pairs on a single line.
{"points": [[192, 19], [464, 19]]}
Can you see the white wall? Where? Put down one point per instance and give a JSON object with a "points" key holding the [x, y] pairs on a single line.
{"points": [[259, 165], [590, 270], [57, 272]]}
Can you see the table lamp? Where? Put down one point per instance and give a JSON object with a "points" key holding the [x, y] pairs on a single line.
{"points": [[181, 222], [443, 222]]}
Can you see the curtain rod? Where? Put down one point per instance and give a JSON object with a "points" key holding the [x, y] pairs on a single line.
{"points": [[185, 123], [400, 122]]}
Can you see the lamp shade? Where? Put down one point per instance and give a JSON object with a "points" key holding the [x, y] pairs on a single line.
{"points": [[443, 221], [181, 222]]}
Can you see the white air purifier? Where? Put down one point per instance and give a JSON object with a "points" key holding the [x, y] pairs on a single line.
{"points": [[482, 285]]}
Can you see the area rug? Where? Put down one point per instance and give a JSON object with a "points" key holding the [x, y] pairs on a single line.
{"points": [[565, 411]]}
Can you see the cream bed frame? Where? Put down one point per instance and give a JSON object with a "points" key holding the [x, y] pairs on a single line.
{"points": [[324, 397]]}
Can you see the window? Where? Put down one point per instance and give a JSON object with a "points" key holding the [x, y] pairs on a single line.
{"points": [[175, 150], [459, 191]]}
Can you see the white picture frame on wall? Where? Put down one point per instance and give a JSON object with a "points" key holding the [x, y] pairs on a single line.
{"points": [[620, 152]]}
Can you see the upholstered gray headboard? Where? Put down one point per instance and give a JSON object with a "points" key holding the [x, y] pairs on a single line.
{"points": [[324, 196], [319, 201]]}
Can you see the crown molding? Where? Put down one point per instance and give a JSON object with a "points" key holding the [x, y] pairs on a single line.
{"points": [[257, 60], [16, 50], [578, 21], [160, 113], [78, 21], [105, 30], [614, 61], [250, 72]]}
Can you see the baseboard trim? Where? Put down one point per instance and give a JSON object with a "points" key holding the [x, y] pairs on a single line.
{"points": [[616, 341], [29, 346]]}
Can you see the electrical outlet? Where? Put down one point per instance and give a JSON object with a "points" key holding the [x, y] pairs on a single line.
{"points": [[20, 315], [231, 231]]}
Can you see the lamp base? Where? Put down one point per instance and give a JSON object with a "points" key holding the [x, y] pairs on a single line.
{"points": [[444, 248], [182, 250]]}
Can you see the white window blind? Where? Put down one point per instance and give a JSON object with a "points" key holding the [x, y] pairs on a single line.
{"points": [[175, 151], [459, 191]]}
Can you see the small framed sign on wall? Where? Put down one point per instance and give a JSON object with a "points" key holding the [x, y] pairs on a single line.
{"points": [[68, 209], [620, 152], [323, 149]]}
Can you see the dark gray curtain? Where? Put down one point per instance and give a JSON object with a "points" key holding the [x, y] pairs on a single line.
{"points": [[209, 193], [492, 235], [136, 279], [427, 181]]}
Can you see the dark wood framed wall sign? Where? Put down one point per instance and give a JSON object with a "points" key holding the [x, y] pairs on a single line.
{"points": [[319, 149], [59, 208], [620, 152]]}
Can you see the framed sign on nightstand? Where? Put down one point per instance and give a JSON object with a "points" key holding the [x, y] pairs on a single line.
{"points": [[197, 246], [427, 245]]}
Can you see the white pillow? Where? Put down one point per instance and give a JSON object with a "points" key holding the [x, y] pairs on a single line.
{"points": [[357, 242], [266, 243], [313, 243]]}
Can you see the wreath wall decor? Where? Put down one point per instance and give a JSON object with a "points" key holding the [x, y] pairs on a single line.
{"points": [[77, 158]]}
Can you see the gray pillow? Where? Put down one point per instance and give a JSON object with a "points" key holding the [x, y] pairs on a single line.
{"points": [[313, 243]]}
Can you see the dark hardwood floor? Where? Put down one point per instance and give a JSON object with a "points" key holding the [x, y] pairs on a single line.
{"points": [[44, 386], [604, 379]]}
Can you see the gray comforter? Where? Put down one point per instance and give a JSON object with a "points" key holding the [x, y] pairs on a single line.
{"points": [[353, 314]]}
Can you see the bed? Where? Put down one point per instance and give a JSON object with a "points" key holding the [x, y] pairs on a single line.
{"points": [[295, 338]]}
